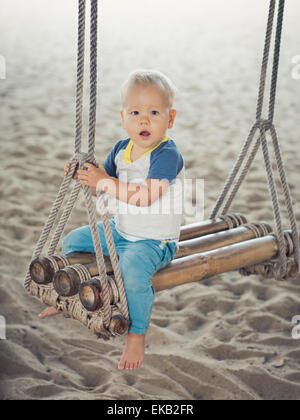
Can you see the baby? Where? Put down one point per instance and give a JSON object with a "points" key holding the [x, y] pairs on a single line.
{"points": [[141, 173]]}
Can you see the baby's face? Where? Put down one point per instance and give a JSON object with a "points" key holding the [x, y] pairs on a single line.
{"points": [[146, 116]]}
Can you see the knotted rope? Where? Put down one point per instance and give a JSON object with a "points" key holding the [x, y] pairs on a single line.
{"points": [[78, 160], [268, 269], [59, 257], [264, 125]]}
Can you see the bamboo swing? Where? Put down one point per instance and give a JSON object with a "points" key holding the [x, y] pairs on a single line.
{"points": [[88, 286]]}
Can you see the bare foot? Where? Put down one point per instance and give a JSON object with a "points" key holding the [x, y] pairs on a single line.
{"points": [[134, 352], [48, 312]]}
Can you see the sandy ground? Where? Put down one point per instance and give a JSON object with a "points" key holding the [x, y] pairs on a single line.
{"points": [[226, 338]]}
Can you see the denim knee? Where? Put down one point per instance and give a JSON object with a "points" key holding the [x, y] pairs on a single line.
{"points": [[68, 243], [134, 277], [78, 240]]}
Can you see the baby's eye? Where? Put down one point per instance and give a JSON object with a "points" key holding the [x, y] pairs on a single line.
{"points": [[154, 112], [134, 112]]}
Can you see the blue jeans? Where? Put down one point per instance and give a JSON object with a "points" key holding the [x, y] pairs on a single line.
{"points": [[139, 261]]}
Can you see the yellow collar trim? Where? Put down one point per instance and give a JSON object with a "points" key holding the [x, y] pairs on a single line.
{"points": [[127, 153]]}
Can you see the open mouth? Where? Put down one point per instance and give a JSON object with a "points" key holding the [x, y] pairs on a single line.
{"points": [[145, 133]]}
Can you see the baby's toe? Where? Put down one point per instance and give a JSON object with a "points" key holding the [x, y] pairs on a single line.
{"points": [[121, 365]]}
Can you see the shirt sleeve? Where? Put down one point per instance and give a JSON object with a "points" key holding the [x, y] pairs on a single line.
{"points": [[110, 165], [165, 165], [110, 161]]}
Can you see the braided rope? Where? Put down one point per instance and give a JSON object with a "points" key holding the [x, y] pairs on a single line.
{"points": [[241, 218], [109, 288], [234, 172], [233, 220], [78, 135], [93, 77], [269, 269], [266, 228], [113, 255], [276, 60], [88, 197], [71, 307], [254, 229], [263, 126], [53, 260], [242, 177], [82, 272], [98, 253], [265, 60], [275, 204], [80, 74], [114, 291], [64, 218], [50, 222], [287, 195]]}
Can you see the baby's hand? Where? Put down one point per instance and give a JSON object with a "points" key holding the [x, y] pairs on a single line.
{"points": [[67, 170]]}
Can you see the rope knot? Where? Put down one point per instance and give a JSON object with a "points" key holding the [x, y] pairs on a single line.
{"points": [[80, 158], [264, 124]]}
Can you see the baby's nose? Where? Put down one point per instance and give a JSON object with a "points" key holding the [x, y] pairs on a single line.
{"points": [[144, 119]]}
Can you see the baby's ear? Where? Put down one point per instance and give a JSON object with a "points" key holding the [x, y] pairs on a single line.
{"points": [[122, 113], [172, 117], [122, 116]]}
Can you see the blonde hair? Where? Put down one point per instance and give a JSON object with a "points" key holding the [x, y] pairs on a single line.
{"points": [[149, 78]]}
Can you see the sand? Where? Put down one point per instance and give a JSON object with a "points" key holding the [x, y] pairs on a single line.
{"points": [[229, 337]]}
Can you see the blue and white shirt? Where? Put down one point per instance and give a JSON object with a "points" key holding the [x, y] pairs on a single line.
{"points": [[161, 220]]}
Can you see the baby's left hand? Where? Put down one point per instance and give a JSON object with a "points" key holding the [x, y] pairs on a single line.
{"points": [[92, 175]]}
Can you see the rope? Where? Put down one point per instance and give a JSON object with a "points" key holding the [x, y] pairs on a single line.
{"points": [[53, 260], [114, 291], [93, 78], [79, 159], [82, 272], [98, 252], [275, 204], [265, 61], [276, 60], [50, 222], [287, 195], [242, 176], [269, 269], [230, 180], [80, 74], [78, 136], [64, 218], [113, 256], [233, 220], [254, 229], [263, 126]]}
